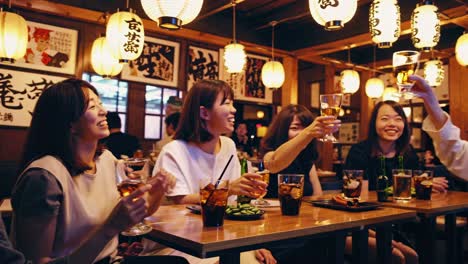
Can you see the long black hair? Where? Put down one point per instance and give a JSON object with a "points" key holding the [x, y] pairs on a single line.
{"points": [[58, 107]]}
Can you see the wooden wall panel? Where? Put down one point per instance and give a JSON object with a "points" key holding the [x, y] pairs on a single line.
{"points": [[458, 80]]}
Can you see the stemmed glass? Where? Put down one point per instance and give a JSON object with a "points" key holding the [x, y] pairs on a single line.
{"points": [[405, 63], [128, 185], [330, 105]]}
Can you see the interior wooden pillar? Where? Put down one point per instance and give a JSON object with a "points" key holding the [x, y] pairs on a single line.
{"points": [[458, 78], [290, 88], [367, 105]]}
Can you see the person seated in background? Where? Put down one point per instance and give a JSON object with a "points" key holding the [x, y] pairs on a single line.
{"points": [[171, 122], [199, 151], [449, 147], [242, 140], [65, 202], [289, 146], [117, 142]]}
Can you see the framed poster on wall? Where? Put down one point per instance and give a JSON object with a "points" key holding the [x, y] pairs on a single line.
{"points": [[19, 92], [158, 64], [248, 85], [50, 48], [202, 64]]}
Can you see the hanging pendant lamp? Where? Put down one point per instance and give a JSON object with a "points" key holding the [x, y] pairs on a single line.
{"points": [[13, 35], [333, 15], [350, 80], [125, 35], [374, 86], [384, 22], [234, 54], [172, 14], [273, 71], [425, 26], [461, 49], [102, 60]]}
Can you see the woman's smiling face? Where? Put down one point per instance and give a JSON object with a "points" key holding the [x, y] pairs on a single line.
{"points": [[389, 124]]}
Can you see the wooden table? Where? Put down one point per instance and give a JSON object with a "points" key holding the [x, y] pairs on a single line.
{"points": [[176, 227], [448, 204]]}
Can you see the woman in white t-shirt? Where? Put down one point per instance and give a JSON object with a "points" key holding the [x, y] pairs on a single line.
{"points": [[199, 151]]}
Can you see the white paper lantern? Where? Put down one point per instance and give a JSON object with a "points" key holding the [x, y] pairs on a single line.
{"points": [[425, 27], [349, 81], [13, 36], [125, 35], [384, 22], [234, 57], [332, 14], [434, 72], [273, 74], [171, 14], [461, 50], [374, 88], [391, 94], [102, 60]]}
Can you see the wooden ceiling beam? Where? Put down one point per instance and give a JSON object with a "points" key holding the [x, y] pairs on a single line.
{"points": [[456, 14], [86, 15], [217, 7]]}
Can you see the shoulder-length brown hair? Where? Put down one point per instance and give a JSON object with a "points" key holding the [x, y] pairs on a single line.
{"points": [[277, 133], [402, 143], [191, 127], [58, 107]]}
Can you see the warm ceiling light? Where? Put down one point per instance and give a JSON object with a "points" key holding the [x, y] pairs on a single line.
{"points": [[391, 94], [461, 50], [13, 35], [125, 35], [374, 88], [171, 14], [260, 114], [273, 71], [349, 81], [102, 60], [332, 14], [384, 22], [234, 54], [434, 72], [425, 26]]}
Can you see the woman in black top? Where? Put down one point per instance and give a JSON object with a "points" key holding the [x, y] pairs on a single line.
{"points": [[289, 146]]}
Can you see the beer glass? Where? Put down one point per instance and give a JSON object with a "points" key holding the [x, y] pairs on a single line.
{"points": [[401, 184], [405, 63], [330, 105]]}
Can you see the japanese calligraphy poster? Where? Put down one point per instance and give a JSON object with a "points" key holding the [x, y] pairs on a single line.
{"points": [[158, 64], [248, 85], [203, 64], [19, 92], [50, 48]]}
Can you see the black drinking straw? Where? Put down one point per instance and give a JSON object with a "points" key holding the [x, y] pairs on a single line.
{"points": [[219, 179]]}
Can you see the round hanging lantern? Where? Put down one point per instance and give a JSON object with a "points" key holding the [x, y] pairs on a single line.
{"points": [[461, 50], [384, 22], [425, 26], [391, 94], [349, 81], [374, 87], [434, 72], [13, 36], [102, 60], [273, 74], [125, 35], [172, 14], [234, 57], [333, 15]]}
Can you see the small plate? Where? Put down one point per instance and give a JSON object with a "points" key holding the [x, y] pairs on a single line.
{"points": [[245, 217], [196, 209], [365, 206]]}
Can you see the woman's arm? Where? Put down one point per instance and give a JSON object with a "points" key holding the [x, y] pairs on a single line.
{"points": [[313, 176], [285, 154]]}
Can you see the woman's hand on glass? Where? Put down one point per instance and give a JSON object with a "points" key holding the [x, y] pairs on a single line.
{"points": [[323, 125], [248, 184], [129, 210], [439, 184]]}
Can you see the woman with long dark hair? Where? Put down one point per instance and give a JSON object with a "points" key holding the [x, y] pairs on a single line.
{"points": [[65, 202]]}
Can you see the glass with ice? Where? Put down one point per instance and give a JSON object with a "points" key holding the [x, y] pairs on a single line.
{"points": [[290, 191], [352, 183], [423, 184], [213, 201]]}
